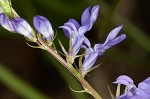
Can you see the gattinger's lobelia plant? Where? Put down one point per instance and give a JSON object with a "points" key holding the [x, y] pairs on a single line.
{"points": [[43, 35]]}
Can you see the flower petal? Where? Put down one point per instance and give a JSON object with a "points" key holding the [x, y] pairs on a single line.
{"points": [[85, 18], [89, 15], [115, 41], [69, 28], [147, 80], [87, 42], [67, 31], [139, 97], [145, 86], [90, 59], [124, 77], [72, 27], [125, 80], [94, 14], [83, 29], [113, 34], [98, 48], [75, 23], [88, 18], [77, 43]]}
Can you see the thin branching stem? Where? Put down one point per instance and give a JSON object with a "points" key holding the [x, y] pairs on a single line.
{"points": [[69, 67], [73, 71]]}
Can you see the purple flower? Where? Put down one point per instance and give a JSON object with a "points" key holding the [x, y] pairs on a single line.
{"points": [[99, 49], [6, 23], [133, 92], [110, 40], [44, 27], [89, 59], [72, 27], [88, 18], [21, 26]]}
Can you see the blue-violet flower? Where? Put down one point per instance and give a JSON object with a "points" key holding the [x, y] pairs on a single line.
{"points": [[133, 92], [110, 40], [93, 53], [75, 32]]}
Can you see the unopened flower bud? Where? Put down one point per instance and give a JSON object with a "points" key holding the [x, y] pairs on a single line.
{"points": [[21, 26], [44, 27], [6, 23]]}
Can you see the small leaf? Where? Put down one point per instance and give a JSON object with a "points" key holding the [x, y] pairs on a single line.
{"points": [[62, 47], [81, 91], [110, 92], [40, 47], [94, 67], [85, 72]]}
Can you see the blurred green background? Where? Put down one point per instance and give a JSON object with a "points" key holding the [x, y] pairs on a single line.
{"points": [[27, 73]]}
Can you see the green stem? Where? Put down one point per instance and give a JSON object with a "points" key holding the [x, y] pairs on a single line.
{"points": [[84, 83]]}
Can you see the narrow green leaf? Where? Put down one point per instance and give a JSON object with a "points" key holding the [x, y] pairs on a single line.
{"points": [[19, 86]]}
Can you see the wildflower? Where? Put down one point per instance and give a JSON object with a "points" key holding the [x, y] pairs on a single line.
{"points": [[75, 32], [110, 40], [44, 27], [133, 92], [21, 26], [88, 18], [72, 33], [6, 23], [99, 49]]}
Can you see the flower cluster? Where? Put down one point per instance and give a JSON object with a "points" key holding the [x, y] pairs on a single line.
{"points": [[21, 26], [75, 32], [133, 92], [72, 30]]}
